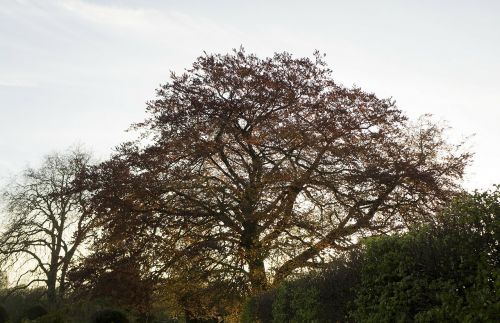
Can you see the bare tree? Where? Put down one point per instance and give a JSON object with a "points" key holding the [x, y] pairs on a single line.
{"points": [[47, 221]]}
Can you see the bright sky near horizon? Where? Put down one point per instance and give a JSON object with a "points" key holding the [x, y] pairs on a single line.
{"points": [[80, 71]]}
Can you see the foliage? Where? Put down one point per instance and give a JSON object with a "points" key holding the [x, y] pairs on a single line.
{"points": [[296, 305], [317, 297], [78, 310], [17, 301], [69, 310], [4, 316], [109, 316], [35, 312], [448, 272], [258, 308], [52, 318], [249, 311], [123, 284]]}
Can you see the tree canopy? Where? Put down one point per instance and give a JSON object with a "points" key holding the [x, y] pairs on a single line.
{"points": [[250, 170], [47, 222]]}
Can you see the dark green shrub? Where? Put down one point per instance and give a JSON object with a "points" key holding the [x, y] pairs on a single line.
{"points": [[317, 297], [20, 300], [248, 312], [297, 302], [258, 308], [35, 312], [4, 316], [448, 272], [109, 316], [51, 318], [144, 318], [337, 288]]}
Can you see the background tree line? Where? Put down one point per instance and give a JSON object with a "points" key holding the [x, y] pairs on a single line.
{"points": [[247, 173]]}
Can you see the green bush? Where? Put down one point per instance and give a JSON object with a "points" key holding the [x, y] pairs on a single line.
{"points": [[297, 305], [317, 297], [4, 316], [34, 312], [447, 272], [109, 316], [282, 310], [51, 318], [249, 310], [18, 301], [258, 308]]}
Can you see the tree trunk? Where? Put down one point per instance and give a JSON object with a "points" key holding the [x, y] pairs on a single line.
{"points": [[62, 281], [64, 270], [51, 286], [54, 268], [254, 257], [257, 275]]}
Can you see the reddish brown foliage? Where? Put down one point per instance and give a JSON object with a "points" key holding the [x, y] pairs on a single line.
{"points": [[250, 170]]}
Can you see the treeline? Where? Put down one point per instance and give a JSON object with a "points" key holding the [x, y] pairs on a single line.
{"points": [[448, 271]]}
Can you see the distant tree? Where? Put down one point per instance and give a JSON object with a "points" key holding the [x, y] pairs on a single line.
{"points": [[256, 169], [47, 222]]}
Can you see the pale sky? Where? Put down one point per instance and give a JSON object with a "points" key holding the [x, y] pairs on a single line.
{"points": [[80, 71]]}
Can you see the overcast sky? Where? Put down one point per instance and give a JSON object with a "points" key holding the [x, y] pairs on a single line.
{"points": [[80, 71]]}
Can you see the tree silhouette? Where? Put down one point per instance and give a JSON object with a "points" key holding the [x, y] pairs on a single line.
{"points": [[250, 170], [48, 221]]}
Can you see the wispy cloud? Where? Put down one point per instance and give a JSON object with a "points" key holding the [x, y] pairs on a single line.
{"points": [[149, 23], [16, 83], [101, 59], [110, 15], [71, 41]]}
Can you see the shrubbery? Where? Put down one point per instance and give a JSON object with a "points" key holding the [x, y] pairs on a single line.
{"points": [[16, 302], [4, 316], [35, 312], [320, 297], [297, 304], [109, 316], [442, 273], [52, 318], [445, 272]]}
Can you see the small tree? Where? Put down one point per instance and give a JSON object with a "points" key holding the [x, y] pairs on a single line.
{"points": [[48, 220]]}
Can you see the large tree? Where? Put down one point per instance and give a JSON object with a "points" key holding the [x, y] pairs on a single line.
{"points": [[249, 170], [47, 222]]}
